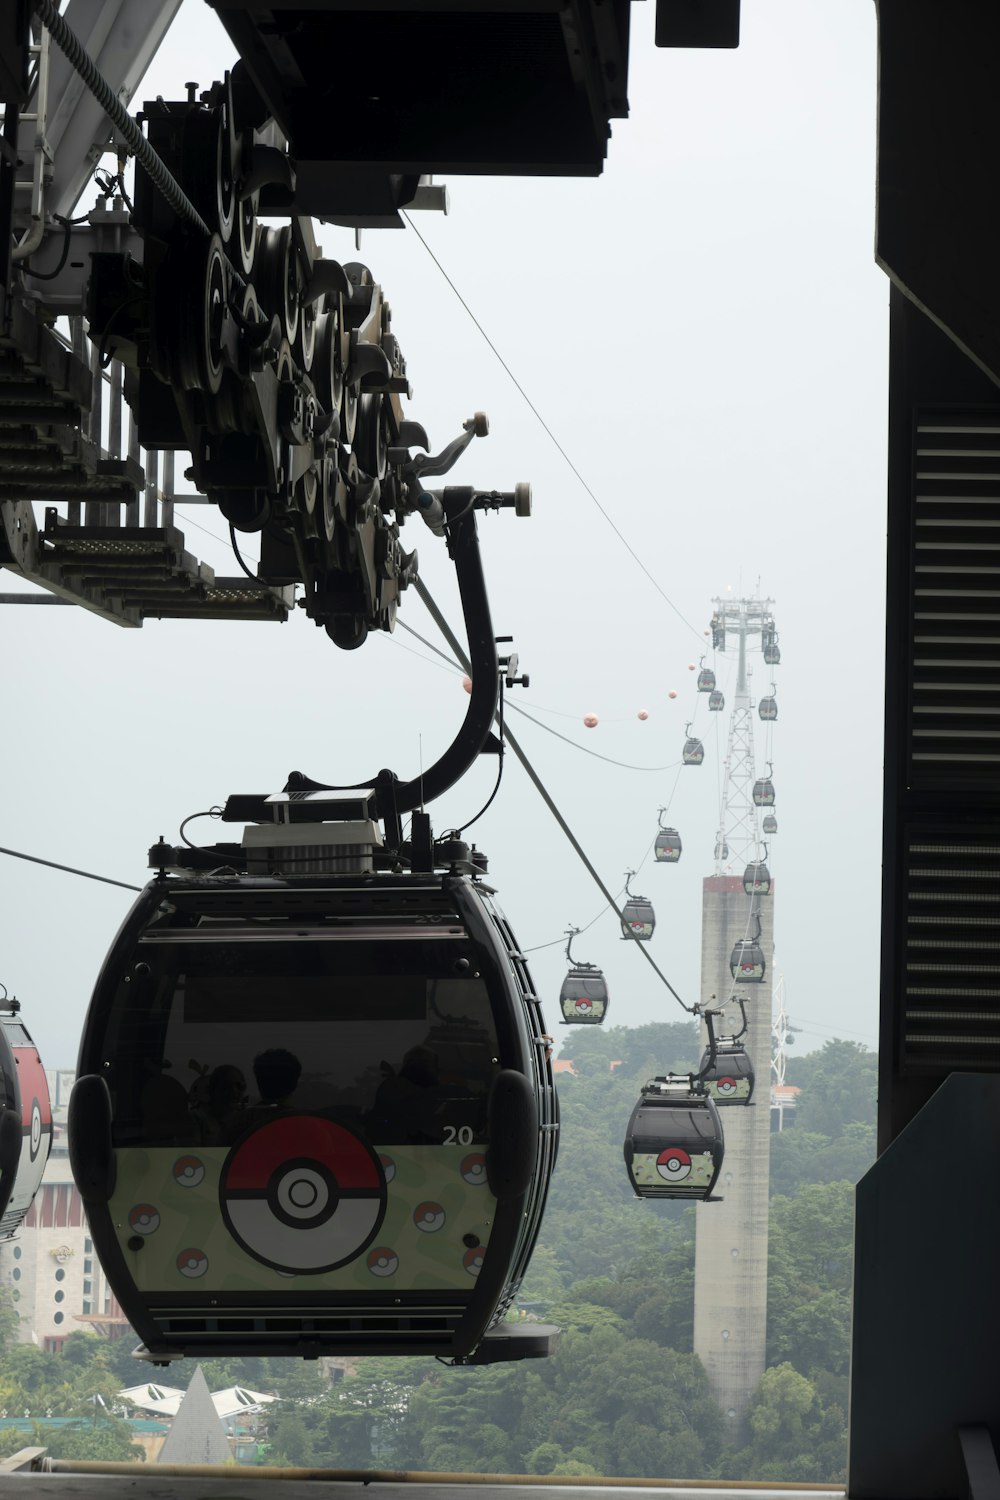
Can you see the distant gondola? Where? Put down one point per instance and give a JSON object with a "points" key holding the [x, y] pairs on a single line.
{"points": [[694, 751], [770, 823], [757, 878], [746, 962], [706, 679], [772, 653], [721, 849], [767, 708], [763, 791], [727, 1069], [583, 998], [667, 844], [716, 700], [315, 1112]]}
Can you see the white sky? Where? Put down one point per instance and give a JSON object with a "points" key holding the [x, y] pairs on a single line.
{"points": [[705, 331]]}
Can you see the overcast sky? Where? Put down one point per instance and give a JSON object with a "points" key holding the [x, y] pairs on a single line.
{"points": [[705, 331]]}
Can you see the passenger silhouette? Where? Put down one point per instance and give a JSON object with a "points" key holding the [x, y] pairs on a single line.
{"points": [[408, 1103], [277, 1072], [222, 1116]]}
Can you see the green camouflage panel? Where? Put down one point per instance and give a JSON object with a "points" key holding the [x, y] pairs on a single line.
{"points": [[673, 1169], [434, 1196]]}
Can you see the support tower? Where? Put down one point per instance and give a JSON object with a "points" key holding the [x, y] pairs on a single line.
{"points": [[730, 1307]]}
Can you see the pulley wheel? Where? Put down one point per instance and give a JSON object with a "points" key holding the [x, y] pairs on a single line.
{"points": [[369, 445], [308, 491], [304, 346], [349, 413], [327, 370], [291, 284], [246, 231], [198, 310], [208, 170], [331, 486]]}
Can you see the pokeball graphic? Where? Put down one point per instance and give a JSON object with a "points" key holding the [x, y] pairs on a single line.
{"points": [[192, 1263], [429, 1217], [472, 1260], [189, 1171], [583, 1005], [143, 1219], [726, 1087], [473, 1169], [747, 968], [673, 1164], [382, 1261], [388, 1167], [32, 1085], [637, 926], [303, 1194]]}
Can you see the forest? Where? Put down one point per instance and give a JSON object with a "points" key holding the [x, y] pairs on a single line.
{"points": [[624, 1395]]}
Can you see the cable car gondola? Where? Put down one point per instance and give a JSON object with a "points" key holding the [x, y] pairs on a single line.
{"points": [[694, 751], [583, 998], [772, 653], [25, 1119], [727, 1071], [770, 823], [638, 917], [763, 791], [706, 679], [674, 1143], [757, 878], [667, 844], [721, 849], [314, 1111], [716, 700], [767, 708], [746, 962]]}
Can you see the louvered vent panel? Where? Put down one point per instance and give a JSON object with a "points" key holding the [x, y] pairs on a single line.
{"points": [[951, 1015], [955, 600]]}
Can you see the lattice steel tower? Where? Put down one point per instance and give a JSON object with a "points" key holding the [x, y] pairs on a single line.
{"points": [[730, 1298]]}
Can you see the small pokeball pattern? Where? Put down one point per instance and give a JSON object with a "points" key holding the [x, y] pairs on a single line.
{"points": [[473, 1169], [189, 1171], [192, 1263], [472, 1260], [144, 1219], [429, 1217], [726, 1085], [388, 1166], [382, 1261], [673, 1164]]}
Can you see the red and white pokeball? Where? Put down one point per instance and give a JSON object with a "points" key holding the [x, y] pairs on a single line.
{"points": [[673, 1164], [429, 1217], [144, 1219], [303, 1194], [192, 1263], [472, 1260], [473, 1169], [382, 1261], [726, 1086], [189, 1171], [583, 1005]]}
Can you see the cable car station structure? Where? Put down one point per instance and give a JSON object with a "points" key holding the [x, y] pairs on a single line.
{"points": [[274, 360]]}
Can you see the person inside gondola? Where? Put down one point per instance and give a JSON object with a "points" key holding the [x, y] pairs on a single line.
{"points": [[222, 1116], [277, 1072]]}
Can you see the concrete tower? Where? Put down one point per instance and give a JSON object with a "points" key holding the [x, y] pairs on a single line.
{"points": [[730, 1300]]}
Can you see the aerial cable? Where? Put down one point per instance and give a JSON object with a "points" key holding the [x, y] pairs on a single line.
{"points": [[539, 786], [70, 869], [584, 749], [547, 429]]}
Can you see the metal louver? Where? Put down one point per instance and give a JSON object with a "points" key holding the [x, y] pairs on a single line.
{"points": [[951, 1015], [955, 599]]}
